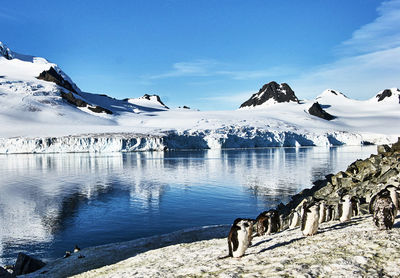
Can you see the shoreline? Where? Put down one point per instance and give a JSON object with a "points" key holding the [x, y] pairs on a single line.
{"points": [[354, 248], [361, 178]]}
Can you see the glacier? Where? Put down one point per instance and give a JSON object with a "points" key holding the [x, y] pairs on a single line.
{"points": [[249, 137]]}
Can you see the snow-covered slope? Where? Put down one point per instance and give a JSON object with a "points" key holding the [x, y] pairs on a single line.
{"points": [[43, 110]]}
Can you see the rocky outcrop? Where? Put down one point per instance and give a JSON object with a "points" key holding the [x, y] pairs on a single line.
{"points": [[316, 110], [71, 99], [387, 93], [362, 178], [4, 273], [52, 75], [6, 52], [26, 264], [271, 91]]}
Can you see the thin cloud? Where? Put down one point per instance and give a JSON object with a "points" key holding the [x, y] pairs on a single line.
{"points": [[383, 33], [359, 77], [212, 68], [182, 69], [235, 98], [369, 60]]}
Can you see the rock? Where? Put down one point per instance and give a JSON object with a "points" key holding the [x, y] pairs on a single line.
{"points": [[52, 75], [26, 264], [99, 109], [396, 146], [70, 98], [386, 93], [316, 110], [279, 93], [363, 178], [149, 97], [383, 149], [6, 52], [4, 273], [73, 100]]}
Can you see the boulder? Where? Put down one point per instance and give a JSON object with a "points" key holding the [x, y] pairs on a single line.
{"points": [[316, 110], [26, 264], [396, 146], [383, 149], [5, 274]]}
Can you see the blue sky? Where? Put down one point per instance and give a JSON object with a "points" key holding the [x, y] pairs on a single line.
{"points": [[212, 54]]}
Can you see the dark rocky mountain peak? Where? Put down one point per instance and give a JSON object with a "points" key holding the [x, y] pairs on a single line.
{"points": [[316, 110], [6, 52], [52, 75], [277, 92], [387, 93]]}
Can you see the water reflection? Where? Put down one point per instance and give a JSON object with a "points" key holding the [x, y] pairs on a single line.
{"points": [[48, 202]]}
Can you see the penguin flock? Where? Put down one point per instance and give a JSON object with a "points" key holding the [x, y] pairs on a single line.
{"points": [[310, 212]]}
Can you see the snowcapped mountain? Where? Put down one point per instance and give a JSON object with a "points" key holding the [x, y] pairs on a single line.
{"points": [[271, 93], [148, 101], [43, 110]]}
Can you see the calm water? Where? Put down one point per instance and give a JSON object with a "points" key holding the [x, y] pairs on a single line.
{"points": [[49, 203]]}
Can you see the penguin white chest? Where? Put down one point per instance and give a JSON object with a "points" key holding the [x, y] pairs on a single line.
{"points": [[347, 211], [311, 224], [295, 221], [243, 240]]}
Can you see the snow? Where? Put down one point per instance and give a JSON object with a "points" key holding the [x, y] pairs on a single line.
{"points": [[351, 249], [33, 110]]}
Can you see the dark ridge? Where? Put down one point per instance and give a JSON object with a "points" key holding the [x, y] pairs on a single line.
{"points": [[386, 93], [69, 97], [280, 93], [6, 52], [52, 75], [316, 110], [73, 100], [99, 109]]}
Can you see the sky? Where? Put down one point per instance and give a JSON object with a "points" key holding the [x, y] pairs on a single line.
{"points": [[212, 54]]}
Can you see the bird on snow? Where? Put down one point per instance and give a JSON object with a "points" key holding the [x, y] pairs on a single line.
{"points": [[238, 238], [309, 222], [383, 210]]}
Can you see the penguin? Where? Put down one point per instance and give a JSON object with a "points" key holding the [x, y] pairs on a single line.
{"points": [[322, 211], [67, 254], [262, 223], [274, 221], [345, 208], [383, 210], [297, 214], [238, 238], [394, 195], [309, 222], [250, 229], [330, 213], [76, 249], [355, 205], [295, 219]]}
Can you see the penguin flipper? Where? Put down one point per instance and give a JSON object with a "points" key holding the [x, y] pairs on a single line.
{"points": [[340, 209], [372, 204], [304, 220], [235, 241]]}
